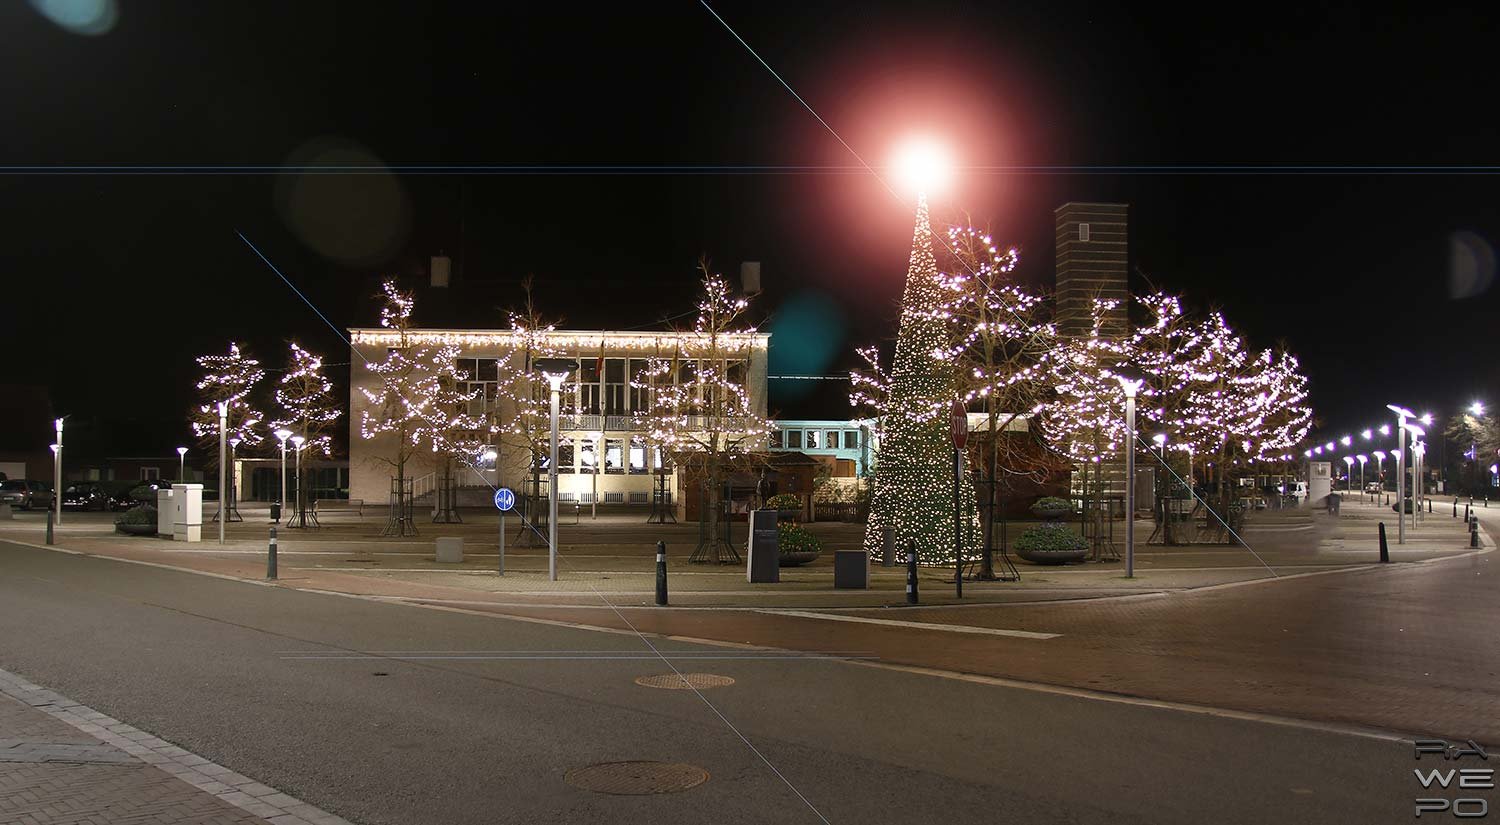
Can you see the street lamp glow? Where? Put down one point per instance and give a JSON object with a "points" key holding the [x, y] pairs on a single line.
{"points": [[1308, 453], [1477, 408], [1346, 441], [1426, 419], [182, 464], [1385, 429], [1160, 439], [1328, 446], [922, 165], [1318, 450], [1366, 435]]}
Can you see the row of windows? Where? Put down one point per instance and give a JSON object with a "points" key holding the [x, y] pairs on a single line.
{"points": [[815, 439], [583, 455], [598, 385]]}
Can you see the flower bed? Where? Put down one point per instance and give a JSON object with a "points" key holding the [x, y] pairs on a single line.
{"points": [[1051, 544], [796, 546]]}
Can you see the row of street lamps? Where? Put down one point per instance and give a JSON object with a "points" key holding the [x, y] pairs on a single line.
{"points": [[282, 435]]}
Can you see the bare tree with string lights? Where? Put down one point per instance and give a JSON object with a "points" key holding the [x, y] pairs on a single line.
{"points": [[230, 379], [304, 398], [698, 405]]}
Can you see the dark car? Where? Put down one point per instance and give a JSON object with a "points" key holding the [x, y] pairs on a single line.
{"points": [[93, 495], [25, 494]]}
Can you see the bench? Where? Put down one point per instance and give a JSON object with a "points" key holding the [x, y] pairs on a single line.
{"points": [[324, 505]]}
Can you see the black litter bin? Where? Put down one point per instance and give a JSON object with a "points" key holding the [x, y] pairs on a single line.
{"points": [[276, 511]]}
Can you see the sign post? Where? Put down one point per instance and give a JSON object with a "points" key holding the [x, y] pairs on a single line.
{"points": [[505, 501], [958, 425]]}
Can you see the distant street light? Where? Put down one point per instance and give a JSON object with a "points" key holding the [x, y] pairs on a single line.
{"points": [[57, 480], [223, 437], [1477, 408], [234, 481], [1362, 458], [1346, 440], [182, 464], [297, 442], [1349, 474], [556, 371], [1385, 429], [1366, 435], [1402, 414], [1380, 466], [282, 435]]}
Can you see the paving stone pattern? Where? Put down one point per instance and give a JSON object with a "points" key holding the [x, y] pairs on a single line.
{"points": [[62, 763]]}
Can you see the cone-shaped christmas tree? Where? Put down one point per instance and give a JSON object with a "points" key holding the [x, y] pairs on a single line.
{"points": [[913, 462]]}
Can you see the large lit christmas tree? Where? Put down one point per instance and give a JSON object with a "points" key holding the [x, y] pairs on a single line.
{"points": [[913, 493]]}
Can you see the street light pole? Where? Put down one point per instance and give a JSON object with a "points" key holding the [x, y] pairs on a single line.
{"points": [[556, 370], [282, 435], [181, 465], [223, 439], [57, 477], [1130, 387]]}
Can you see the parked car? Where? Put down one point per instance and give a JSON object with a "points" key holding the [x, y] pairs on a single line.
{"points": [[1373, 487], [94, 495], [25, 494]]}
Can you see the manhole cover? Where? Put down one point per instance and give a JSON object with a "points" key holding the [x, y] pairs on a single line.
{"points": [[637, 777], [672, 681]]}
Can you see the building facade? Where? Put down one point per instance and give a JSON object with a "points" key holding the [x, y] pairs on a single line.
{"points": [[846, 446], [604, 452]]}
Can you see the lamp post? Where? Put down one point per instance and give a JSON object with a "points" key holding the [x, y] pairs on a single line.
{"points": [[1414, 435], [1401, 415], [1362, 458], [182, 465], [1130, 386], [282, 435], [1380, 466], [297, 442], [223, 436], [57, 476], [556, 370], [234, 476], [1348, 473]]}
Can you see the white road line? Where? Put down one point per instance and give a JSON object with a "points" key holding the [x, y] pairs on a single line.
{"points": [[946, 628]]}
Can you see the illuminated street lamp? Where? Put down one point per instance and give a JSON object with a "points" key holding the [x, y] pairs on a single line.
{"points": [[234, 481], [556, 371], [1402, 414], [1366, 435], [1477, 408], [1346, 440], [1131, 386], [1385, 429], [297, 442], [182, 464], [282, 435], [1348, 473], [1362, 458], [57, 476], [1380, 466], [223, 437]]}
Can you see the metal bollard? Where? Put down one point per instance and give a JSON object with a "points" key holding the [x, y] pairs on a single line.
{"points": [[661, 574], [49, 526], [271, 555], [1385, 550], [911, 572], [1467, 511], [1474, 532], [1455, 506], [1429, 506]]}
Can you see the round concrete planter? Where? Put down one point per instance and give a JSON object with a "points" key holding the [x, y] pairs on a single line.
{"points": [[136, 529], [1052, 556], [799, 558], [1050, 513]]}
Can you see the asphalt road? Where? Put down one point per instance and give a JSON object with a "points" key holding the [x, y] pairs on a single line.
{"points": [[217, 667]]}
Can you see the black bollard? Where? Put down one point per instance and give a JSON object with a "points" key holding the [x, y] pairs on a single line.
{"points": [[49, 526], [1474, 532], [911, 572], [1467, 511], [1429, 505], [271, 556], [1385, 550], [1455, 506], [661, 574]]}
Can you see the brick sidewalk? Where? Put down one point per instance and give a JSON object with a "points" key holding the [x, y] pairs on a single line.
{"points": [[62, 763]]}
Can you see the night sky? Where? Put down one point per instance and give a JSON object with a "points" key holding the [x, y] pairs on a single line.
{"points": [[114, 282]]}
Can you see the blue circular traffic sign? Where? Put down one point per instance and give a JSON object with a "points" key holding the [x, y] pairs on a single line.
{"points": [[505, 499]]}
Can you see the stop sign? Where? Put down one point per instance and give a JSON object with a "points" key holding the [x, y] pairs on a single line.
{"points": [[958, 425]]}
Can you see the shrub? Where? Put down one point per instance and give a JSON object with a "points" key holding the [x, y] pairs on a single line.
{"points": [[793, 539], [1050, 537], [139, 514], [784, 501], [1052, 503]]}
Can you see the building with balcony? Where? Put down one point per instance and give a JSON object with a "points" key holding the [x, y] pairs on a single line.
{"points": [[604, 454], [846, 448]]}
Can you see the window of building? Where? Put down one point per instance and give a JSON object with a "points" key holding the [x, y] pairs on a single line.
{"points": [[851, 439], [832, 441], [565, 462], [775, 439], [637, 455], [640, 381], [812, 439], [150, 473], [614, 386], [588, 455], [589, 401], [614, 456], [614, 498], [638, 497], [1083, 232], [794, 439]]}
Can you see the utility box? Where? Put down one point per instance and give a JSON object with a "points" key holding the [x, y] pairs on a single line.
{"points": [[165, 511], [187, 512], [450, 550], [5, 512], [851, 570], [1319, 484]]}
